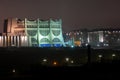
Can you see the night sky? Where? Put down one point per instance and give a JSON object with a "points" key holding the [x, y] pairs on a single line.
{"points": [[75, 14]]}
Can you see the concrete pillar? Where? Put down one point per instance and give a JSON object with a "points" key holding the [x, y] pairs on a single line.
{"points": [[15, 40], [0, 41], [11, 40], [5, 41], [26, 41]]}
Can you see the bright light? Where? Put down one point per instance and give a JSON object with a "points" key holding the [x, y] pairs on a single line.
{"points": [[67, 59], [44, 60], [113, 55], [86, 44], [54, 63], [22, 38], [99, 56], [25, 38], [72, 61], [13, 70], [72, 46]]}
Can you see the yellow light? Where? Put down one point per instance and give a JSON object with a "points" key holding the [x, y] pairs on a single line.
{"points": [[77, 43]]}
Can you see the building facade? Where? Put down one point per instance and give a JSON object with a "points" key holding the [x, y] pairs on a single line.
{"points": [[96, 38], [29, 33]]}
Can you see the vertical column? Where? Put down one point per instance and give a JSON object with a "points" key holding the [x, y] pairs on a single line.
{"points": [[0, 41], [5, 40], [62, 40], [38, 39], [26, 42], [88, 39], [100, 36], [50, 36], [11, 40], [25, 22], [18, 41], [22, 40], [14, 40], [30, 41]]}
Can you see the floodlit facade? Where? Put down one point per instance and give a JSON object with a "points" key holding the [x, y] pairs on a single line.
{"points": [[32, 33]]}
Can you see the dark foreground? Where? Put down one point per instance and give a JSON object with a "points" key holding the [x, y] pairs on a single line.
{"points": [[25, 63], [92, 71]]}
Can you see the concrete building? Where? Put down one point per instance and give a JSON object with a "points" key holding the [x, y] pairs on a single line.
{"points": [[28, 33]]}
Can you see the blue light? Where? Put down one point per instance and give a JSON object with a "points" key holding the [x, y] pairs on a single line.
{"points": [[72, 46], [45, 45], [57, 45], [50, 45]]}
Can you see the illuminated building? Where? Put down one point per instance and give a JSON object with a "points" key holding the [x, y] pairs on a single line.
{"points": [[95, 37], [76, 37], [37, 33], [104, 37]]}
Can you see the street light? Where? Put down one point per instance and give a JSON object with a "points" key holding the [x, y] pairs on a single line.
{"points": [[13, 70], [44, 60], [67, 59], [100, 56], [113, 55], [72, 61]]}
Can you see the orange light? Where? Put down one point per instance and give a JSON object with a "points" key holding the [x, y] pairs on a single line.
{"points": [[54, 63], [77, 43]]}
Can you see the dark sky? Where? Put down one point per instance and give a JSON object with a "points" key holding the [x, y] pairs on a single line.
{"points": [[75, 14]]}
